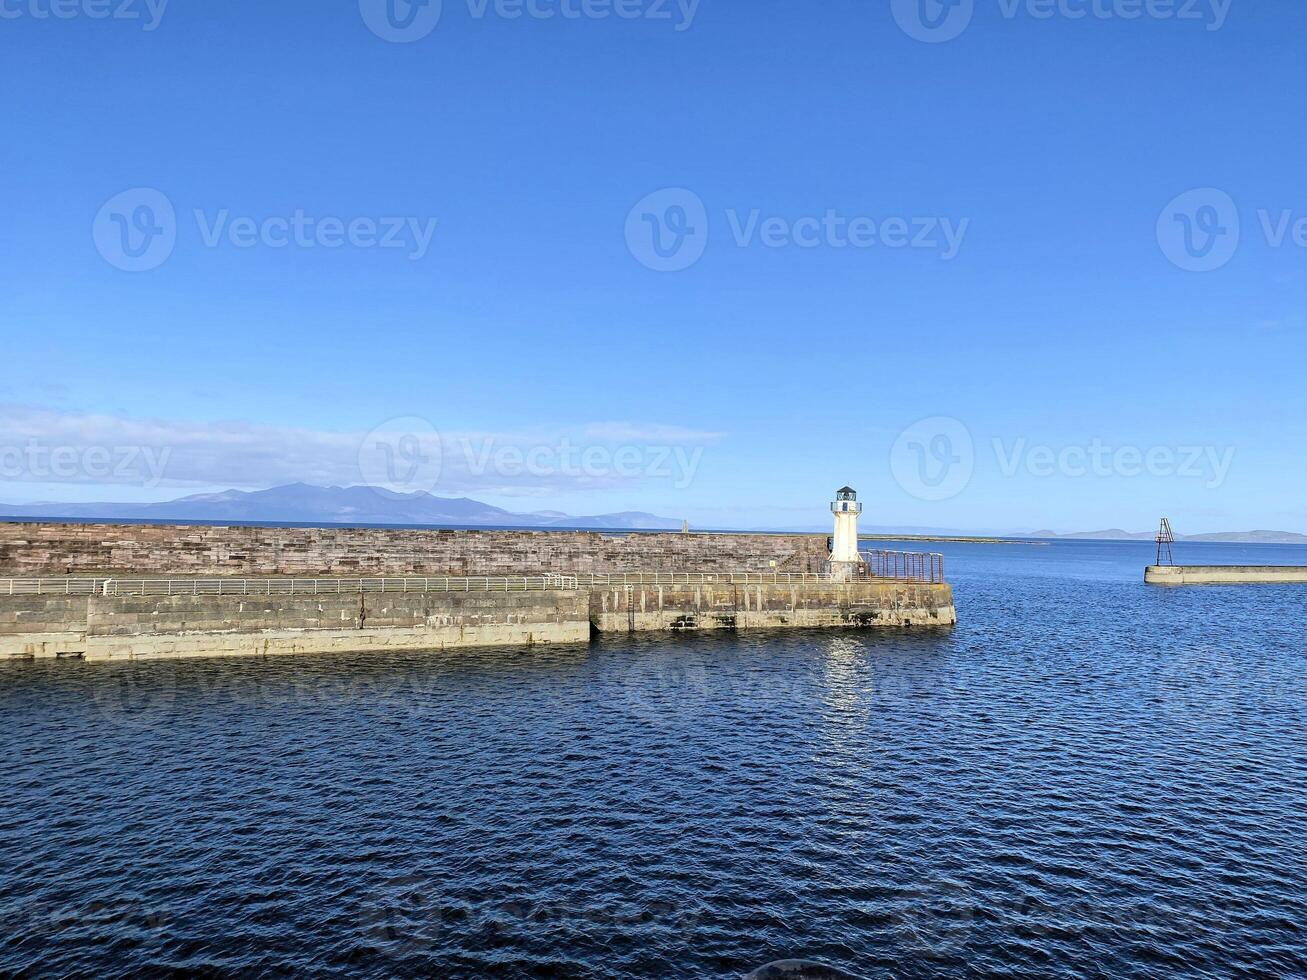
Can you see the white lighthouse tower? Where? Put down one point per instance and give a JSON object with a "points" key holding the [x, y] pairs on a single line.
{"points": [[844, 560]]}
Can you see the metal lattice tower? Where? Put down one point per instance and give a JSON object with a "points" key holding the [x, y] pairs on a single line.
{"points": [[1164, 541]]}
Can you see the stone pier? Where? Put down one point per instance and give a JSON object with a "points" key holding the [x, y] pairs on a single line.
{"points": [[1225, 574], [103, 591]]}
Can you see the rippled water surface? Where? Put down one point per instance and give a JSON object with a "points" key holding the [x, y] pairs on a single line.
{"points": [[1085, 777]]}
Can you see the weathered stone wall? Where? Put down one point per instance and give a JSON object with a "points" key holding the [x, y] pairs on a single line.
{"points": [[42, 625], [31, 549], [639, 608], [106, 627], [42, 613]]}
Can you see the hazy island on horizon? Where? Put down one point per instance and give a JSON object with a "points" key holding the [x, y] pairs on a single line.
{"points": [[302, 503]]}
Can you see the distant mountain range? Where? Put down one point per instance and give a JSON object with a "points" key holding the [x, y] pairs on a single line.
{"points": [[299, 503], [1238, 537]]}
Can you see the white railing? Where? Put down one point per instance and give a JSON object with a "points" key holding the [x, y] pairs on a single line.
{"points": [[891, 565], [282, 586], [704, 578], [51, 586]]}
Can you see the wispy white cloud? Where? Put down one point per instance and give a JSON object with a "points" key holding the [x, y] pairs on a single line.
{"points": [[46, 446]]}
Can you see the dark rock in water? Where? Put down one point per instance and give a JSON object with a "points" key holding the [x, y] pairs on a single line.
{"points": [[799, 970]]}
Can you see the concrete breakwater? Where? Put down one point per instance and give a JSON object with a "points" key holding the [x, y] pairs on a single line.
{"points": [[99, 624], [1224, 574]]}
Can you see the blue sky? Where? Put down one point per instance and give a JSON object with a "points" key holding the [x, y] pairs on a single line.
{"points": [[951, 272]]}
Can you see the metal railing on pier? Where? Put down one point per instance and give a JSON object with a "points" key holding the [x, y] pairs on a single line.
{"points": [[51, 586], [282, 586], [906, 566], [896, 565], [703, 578]]}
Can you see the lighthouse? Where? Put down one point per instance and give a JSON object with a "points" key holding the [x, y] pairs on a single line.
{"points": [[844, 559]]}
